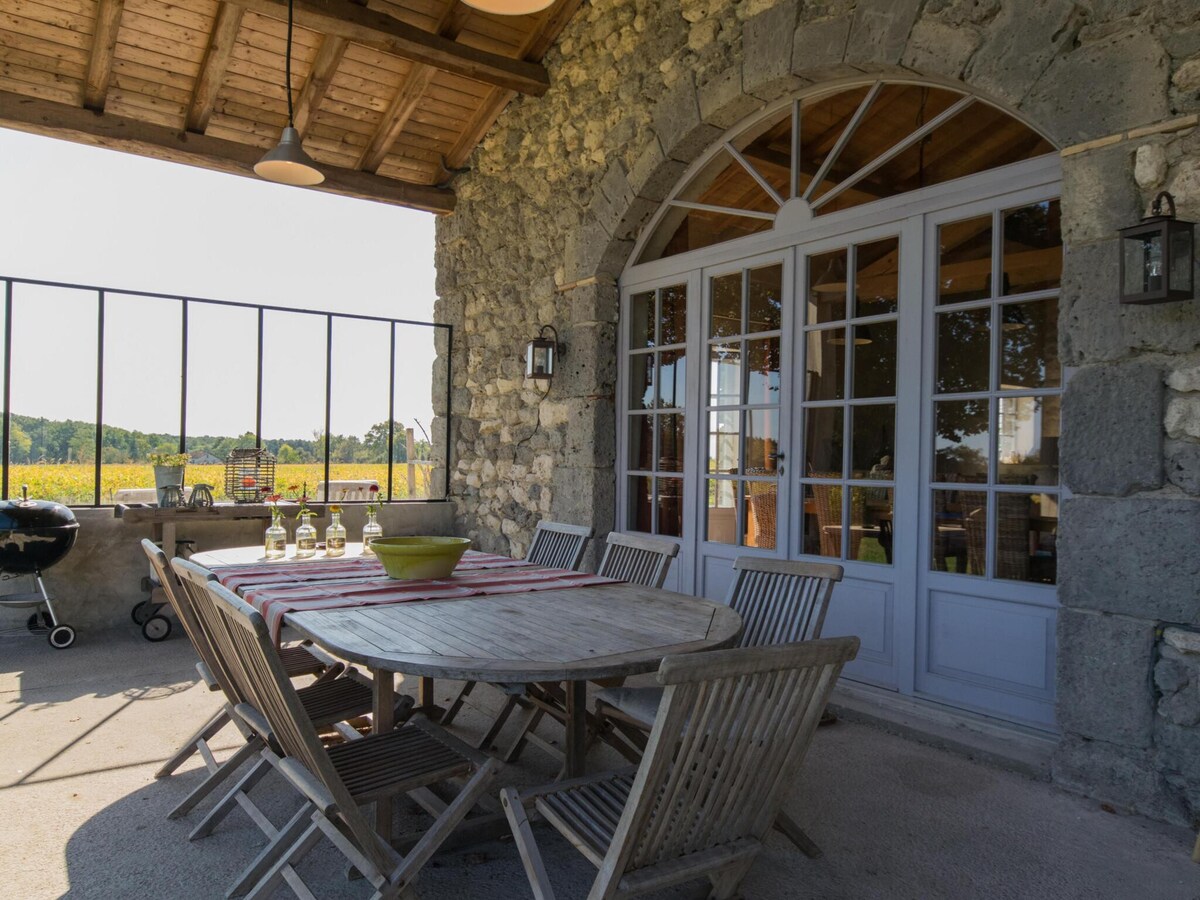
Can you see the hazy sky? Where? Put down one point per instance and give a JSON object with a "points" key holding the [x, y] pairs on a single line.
{"points": [[77, 214]]}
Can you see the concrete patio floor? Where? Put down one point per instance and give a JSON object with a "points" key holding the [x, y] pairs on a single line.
{"points": [[82, 816]]}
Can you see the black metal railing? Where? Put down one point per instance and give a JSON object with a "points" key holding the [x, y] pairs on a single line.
{"points": [[186, 304]]}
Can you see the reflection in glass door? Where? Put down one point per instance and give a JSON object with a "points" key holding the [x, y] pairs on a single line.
{"points": [[743, 441], [655, 418], [851, 310], [996, 395]]}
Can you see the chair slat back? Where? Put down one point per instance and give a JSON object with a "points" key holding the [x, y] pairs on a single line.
{"points": [[781, 601], [637, 560], [731, 732], [191, 580], [558, 546], [274, 696], [179, 605]]}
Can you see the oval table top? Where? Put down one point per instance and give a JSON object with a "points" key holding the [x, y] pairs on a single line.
{"points": [[580, 633]]}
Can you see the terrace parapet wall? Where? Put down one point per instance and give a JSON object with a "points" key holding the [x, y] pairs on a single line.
{"points": [[559, 188]]}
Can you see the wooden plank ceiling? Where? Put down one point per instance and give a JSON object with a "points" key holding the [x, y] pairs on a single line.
{"points": [[391, 96]]}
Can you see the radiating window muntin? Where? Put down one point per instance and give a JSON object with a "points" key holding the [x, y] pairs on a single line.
{"points": [[742, 408], [655, 409], [997, 386], [843, 149], [851, 311]]}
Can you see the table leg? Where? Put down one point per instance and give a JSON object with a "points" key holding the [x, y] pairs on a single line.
{"points": [[384, 720], [576, 728], [168, 539], [426, 701]]}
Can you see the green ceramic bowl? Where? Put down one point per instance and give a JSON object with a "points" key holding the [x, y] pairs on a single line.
{"points": [[408, 558]]}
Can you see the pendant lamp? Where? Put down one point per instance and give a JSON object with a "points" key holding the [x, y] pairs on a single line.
{"points": [[509, 7], [287, 163]]}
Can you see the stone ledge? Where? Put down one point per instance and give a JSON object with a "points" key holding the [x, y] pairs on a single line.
{"points": [[988, 740]]}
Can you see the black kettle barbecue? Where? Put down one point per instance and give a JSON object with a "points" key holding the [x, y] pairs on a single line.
{"points": [[34, 535]]}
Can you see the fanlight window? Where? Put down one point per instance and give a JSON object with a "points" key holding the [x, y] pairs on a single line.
{"points": [[835, 152]]}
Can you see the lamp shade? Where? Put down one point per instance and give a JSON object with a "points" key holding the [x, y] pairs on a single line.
{"points": [[287, 163], [509, 7]]}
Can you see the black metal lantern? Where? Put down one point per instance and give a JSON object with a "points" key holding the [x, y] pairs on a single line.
{"points": [[1158, 257], [541, 354]]}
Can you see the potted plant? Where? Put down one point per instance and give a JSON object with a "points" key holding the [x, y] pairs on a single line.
{"points": [[168, 470]]}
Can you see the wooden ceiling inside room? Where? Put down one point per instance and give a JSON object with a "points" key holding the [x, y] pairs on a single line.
{"points": [[390, 96]]}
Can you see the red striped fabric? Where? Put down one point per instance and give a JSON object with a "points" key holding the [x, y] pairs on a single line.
{"points": [[355, 583], [291, 571]]}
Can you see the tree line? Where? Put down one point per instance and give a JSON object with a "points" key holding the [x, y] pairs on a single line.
{"points": [[37, 440]]}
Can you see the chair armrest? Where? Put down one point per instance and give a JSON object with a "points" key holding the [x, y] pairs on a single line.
{"points": [[308, 784], [207, 677], [255, 720]]}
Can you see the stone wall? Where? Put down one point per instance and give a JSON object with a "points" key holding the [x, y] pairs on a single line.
{"points": [[640, 88], [1131, 454]]}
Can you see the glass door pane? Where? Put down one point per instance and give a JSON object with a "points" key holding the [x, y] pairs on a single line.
{"points": [[996, 395], [654, 412], [744, 387], [849, 401]]}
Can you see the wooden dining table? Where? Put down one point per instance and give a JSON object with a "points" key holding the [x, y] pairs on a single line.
{"points": [[570, 635]]}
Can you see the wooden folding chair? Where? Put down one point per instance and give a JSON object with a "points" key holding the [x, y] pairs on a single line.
{"points": [[779, 601], [556, 546], [338, 780], [728, 739], [629, 558], [339, 695], [303, 659]]}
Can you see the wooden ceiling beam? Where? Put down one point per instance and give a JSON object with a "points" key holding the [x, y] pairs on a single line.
{"points": [[104, 47], [320, 77], [348, 20], [535, 47], [213, 66], [404, 104], [58, 120]]}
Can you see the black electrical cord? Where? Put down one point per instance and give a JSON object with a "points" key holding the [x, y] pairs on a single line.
{"points": [[287, 65]]}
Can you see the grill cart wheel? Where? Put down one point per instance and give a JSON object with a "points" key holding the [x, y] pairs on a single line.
{"points": [[138, 613], [61, 637], [39, 623], [156, 628]]}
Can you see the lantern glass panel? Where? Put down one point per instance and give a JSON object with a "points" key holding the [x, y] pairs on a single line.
{"points": [[1143, 264], [539, 358], [1181, 259]]}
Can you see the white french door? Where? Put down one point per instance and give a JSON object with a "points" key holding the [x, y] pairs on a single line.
{"points": [[885, 397]]}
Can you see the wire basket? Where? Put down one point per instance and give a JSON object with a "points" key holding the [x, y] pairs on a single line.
{"points": [[249, 475]]}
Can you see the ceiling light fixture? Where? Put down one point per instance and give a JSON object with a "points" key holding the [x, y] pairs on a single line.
{"points": [[509, 7], [287, 163]]}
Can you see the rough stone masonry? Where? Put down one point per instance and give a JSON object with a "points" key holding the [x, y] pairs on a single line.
{"points": [[558, 190]]}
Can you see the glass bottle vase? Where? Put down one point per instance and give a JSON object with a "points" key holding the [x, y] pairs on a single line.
{"points": [[335, 536], [306, 537], [276, 537], [371, 530]]}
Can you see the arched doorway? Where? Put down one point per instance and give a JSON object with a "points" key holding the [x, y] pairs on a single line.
{"points": [[839, 342]]}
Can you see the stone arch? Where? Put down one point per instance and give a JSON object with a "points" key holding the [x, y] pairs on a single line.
{"points": [[1029, 62]]}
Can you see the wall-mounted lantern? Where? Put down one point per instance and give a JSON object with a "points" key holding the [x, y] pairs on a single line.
{"points": [[1158, 257], [541, 354]]}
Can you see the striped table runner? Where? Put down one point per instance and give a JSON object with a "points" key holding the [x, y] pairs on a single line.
{"points": [[350, 583]]}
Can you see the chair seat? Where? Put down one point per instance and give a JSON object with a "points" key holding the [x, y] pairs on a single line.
{"points": [[381, 764], [638, 704], [298, 660], [335, 700], [589, 811]]}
